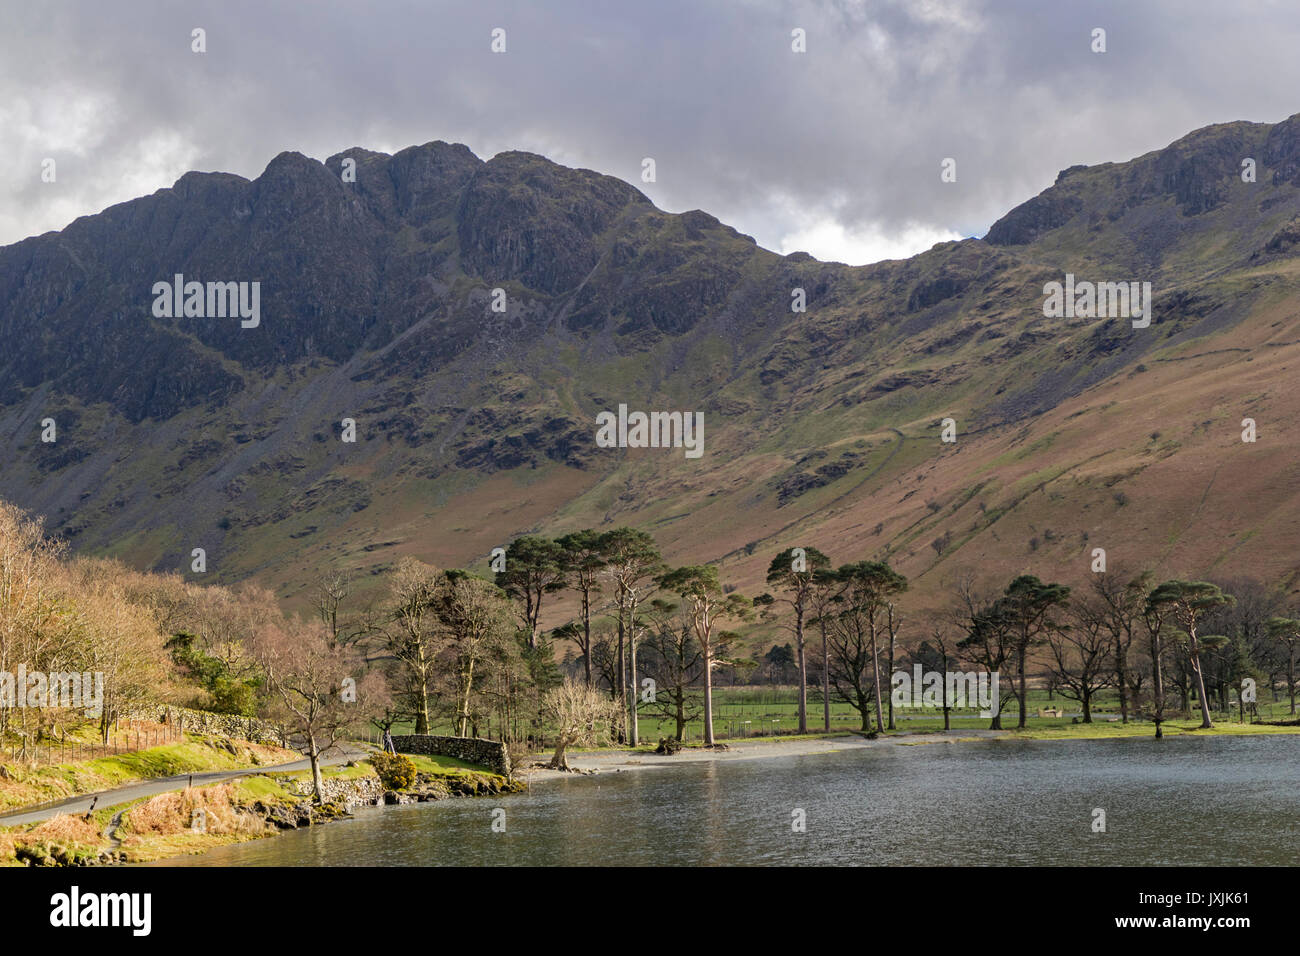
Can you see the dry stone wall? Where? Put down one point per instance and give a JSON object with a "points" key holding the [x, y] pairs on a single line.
{"points": [[206, 722], [487, 753]]}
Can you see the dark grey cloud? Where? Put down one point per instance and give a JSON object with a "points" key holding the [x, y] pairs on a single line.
{"points": [[836, 150]]}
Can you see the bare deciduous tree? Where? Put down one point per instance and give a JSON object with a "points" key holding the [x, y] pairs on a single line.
{"points": [[1081, 653], [579, 715], [676, 664], [476, 614], [412, 630], [306, 673]]}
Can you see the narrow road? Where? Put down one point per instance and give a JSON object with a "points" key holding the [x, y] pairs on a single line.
{"points": [[150, 788]]}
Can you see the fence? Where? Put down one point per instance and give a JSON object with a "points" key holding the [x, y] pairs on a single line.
{"points": [[125, 736]]}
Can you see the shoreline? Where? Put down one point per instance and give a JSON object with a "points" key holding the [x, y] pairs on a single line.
{"points": [[595, 763], [277, 797], [598, 763]]}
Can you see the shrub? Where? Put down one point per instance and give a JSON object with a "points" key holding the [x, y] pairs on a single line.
{"points": [[178, 812], [232, 696], [396, 771]]}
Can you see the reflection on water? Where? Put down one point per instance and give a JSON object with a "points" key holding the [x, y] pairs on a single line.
{"points": [[1207, 801]]}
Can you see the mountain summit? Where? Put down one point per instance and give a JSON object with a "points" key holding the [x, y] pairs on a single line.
{"points": [[473, 318]]}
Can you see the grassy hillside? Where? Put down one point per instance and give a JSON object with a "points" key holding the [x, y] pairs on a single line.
{"points": [[822, 427]]}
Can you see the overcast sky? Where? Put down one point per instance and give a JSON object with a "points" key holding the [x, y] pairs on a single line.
{"points": [[835, 151]]}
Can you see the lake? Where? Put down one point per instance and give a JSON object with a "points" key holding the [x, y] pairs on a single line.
{"points": [[1188, 801]]}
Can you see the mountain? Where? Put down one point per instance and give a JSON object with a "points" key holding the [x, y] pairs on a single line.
{"points": [[821, 427]]}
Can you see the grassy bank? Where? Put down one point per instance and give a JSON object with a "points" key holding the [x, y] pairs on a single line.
{"points": [[925, 730], [231, 812], [1171, 728], [745, 713], [22, 786]]}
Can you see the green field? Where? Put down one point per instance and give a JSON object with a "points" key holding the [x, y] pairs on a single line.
{"points": [[740, 712]]}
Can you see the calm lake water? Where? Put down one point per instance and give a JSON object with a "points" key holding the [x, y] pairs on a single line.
{"points": [[1215, 800]]}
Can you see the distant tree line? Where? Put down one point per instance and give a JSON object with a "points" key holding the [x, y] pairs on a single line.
{"points": [[648, 639]]}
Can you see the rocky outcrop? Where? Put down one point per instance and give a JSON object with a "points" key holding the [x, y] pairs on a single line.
{"points": [[524, 218], [1031, 219]]}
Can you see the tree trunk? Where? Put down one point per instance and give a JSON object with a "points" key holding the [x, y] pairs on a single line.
{"points": [[826, 682], [803, 671], [313, 755], [560, 760], [708, 698], [531, 612], [1121, 676], [1200, 685], [631, 659], [422, 715], [622, 676], [875, 678], [891, 667], [586, 629], [468, 678], [1024, 710], [943, 689], [1157, 683]]}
